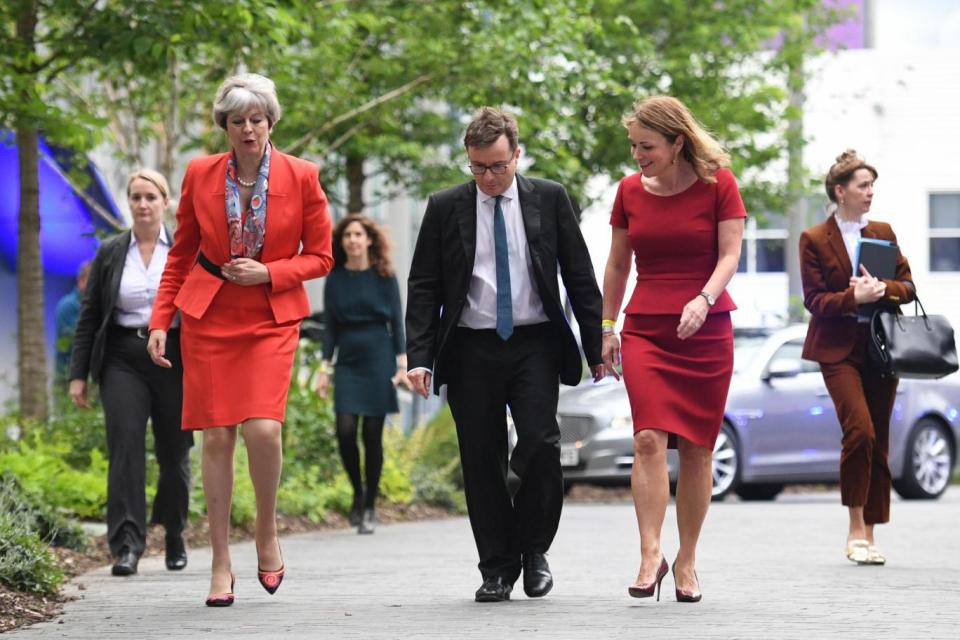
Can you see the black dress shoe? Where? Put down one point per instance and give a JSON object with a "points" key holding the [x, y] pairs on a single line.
{"points": [[176, 553], [537, 579], [126, 564], [494, 589]]}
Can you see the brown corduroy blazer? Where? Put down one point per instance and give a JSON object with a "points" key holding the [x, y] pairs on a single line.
{"points": [[825, 270]]}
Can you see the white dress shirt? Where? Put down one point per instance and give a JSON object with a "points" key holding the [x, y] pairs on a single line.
{"points": [[480, 312], [139, 283], [850, 230]]}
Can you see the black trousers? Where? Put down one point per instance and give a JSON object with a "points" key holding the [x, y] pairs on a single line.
{"points": [[487, 376], [133, 390]]}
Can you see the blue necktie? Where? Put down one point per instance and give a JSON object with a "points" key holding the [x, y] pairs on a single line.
{"points": [[504, 298]]}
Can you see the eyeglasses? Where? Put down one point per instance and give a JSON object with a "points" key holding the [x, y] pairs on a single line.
{"points": [[499, 168]]}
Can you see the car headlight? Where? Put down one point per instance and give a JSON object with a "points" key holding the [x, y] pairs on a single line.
{"points": [[622, 422]]}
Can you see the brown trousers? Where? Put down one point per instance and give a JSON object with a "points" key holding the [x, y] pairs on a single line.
{"points": [[864, 402]]}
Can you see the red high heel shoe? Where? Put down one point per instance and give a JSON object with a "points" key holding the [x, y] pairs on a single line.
{"points": [[270, 580], [686, 596], [223, 599], [647, 590]]}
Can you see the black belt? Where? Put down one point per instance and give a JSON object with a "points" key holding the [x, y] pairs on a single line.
{"points": [[211, 268], [141, 332]]}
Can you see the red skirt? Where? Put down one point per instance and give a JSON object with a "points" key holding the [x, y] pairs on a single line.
{"points": [[678, 386], [236, 360]]}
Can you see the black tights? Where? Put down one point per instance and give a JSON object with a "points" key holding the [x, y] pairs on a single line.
{"points": [[372, 447]]}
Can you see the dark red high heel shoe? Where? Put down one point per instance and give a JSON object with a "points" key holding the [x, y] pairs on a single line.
{"points": [[270, 580], [223, 599], [647, 590], [685, 596]]}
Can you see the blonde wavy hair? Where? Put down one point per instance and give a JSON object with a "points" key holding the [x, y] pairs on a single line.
{"points": [[671, 118]]}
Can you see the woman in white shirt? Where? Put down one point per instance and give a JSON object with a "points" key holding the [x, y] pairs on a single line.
{"points": [[110, 346]]}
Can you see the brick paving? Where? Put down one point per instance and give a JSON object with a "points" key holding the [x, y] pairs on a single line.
{"points": [[768, 570]]}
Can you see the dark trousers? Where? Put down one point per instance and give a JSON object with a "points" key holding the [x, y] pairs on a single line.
{"points": [[864, 402], [133, 390], [486, 376]]}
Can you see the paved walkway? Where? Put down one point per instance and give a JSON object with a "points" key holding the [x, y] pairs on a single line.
{"points": [[771, 570]]}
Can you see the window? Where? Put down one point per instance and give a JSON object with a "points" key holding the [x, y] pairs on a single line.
{"points": [[764, 250], [792, 350], [945, 232]]}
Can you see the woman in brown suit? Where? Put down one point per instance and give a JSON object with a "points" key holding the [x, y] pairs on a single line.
{"points": [[837, 339]]}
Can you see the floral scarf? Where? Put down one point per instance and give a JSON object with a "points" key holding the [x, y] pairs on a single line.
{"points": [[246, 232]]}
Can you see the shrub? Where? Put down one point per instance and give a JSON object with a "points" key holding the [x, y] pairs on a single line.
{"points": [[26, 563], [42, 469]]}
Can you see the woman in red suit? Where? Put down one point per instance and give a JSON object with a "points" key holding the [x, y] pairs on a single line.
{"points": [[252, 225], [837, 339], [681, 217]]}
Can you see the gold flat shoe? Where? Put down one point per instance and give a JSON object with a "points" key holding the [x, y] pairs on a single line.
{"points": [[858, 551], [874, 556]]}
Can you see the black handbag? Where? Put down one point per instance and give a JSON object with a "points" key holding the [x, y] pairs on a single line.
{"points": [[917, 346]]}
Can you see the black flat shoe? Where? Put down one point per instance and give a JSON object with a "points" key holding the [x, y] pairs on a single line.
{"points": [[368, 523], [494, 589], [356, 511], [126, 564], [537, 579], [176, 556]]}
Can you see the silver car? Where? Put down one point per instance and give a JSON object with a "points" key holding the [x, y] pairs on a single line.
{"points": [[779, 427]]}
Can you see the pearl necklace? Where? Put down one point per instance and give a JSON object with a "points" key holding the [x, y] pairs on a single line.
{"points": [[244, 183]]}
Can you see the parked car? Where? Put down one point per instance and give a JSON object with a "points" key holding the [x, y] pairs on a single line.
{"points": [[779, 427]]}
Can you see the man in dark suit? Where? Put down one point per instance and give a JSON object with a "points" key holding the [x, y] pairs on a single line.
{"points": [[484, 317]]}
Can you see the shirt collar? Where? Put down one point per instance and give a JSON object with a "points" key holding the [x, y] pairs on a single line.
{"points": [[510, 194], [163, 239], [851, 226]]}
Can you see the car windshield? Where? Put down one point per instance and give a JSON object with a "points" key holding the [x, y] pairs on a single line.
{"points": [[745, 348]]}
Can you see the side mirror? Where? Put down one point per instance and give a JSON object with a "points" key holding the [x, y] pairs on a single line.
{"points": [[783, 368]]}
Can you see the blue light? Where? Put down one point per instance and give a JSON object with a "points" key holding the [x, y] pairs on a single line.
{"points": [[952, 415], [816, 411], [67, 224]]}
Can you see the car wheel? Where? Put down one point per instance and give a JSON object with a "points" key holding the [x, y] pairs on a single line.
{"points": [[726, 463], [758, 492], [928, 462]]}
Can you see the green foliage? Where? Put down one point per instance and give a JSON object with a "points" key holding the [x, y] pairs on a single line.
{"points": [[41, 466], [26, 562]]}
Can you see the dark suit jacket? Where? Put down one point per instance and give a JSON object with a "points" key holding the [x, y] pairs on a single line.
{"points": [[443, 264], [825, 270], [96, 314]]}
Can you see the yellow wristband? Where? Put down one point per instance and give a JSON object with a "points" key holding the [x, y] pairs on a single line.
{"points": [[608, 323]]}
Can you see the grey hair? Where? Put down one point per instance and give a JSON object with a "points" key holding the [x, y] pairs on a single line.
{"points": [[240, 93]]}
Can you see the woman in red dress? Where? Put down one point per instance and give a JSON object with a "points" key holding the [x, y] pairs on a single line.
{"points": [[252, 225], [681, 217]]}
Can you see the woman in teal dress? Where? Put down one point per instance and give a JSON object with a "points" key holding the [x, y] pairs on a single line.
{"points": [[364, 327]]}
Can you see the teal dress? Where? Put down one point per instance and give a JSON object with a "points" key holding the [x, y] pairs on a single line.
{"points": [[364, 326]]}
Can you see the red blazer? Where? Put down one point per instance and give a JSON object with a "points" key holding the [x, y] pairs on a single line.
{"points": [[825, 270], [296, 214]]}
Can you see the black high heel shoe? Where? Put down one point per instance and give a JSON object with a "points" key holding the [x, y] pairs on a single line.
{"points": [[270, 580], [686, 596], [647, 590], [223, 599]]}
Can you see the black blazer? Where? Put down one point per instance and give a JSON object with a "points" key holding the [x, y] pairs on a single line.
{"points": [[96, 313], [443, 264]]}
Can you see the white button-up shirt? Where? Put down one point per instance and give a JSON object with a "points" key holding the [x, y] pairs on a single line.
{"points": [[139, 283], [850, 230], [480, 312]]}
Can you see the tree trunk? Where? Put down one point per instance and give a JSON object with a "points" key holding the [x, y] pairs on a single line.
{"points": [[796, 193], [169, 139], [31, 346], [355, 178]]}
